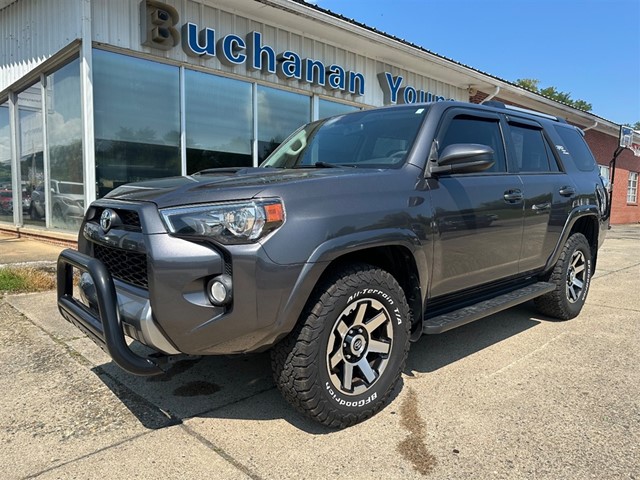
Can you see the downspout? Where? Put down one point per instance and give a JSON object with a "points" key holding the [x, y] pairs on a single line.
{"points": [[491, 96], [589, 128]]}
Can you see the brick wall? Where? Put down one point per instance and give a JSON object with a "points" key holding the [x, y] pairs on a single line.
{"points": [[603, 146]]}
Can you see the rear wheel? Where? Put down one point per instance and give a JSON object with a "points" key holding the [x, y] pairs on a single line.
{"points": [[343, 360], [572, 276]]}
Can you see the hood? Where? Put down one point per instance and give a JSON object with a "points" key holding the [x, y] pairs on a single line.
{"points": [[76, 197], [219, 185]]}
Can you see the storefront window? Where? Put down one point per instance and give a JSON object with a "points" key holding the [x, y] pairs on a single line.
{"points": [[219, 122], [327, 108], [6, 196], [64, 135], [137, 120], [31, 155], [279, 114]]}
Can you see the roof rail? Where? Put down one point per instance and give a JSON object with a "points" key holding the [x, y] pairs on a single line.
{"points": [[496, 104]]}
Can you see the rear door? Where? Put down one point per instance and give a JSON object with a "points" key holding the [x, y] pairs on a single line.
{"points": [[478, 216], [548, 191]]}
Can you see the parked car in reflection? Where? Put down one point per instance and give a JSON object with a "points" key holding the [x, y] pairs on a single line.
{"points": [[26, 201], [6, 202], [67, 200]]}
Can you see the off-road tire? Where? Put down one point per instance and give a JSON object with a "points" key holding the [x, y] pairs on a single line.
{"points": [[310, 365], [574, 265]]}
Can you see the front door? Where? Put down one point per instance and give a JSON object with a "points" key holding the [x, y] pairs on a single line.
{"points": [[478, 216]]}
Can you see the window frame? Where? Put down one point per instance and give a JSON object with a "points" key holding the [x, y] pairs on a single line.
{"points": [[632, 188], [453, 113], [552, 158]]}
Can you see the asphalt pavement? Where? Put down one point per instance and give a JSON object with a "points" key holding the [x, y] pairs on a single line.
{"points": [[512, 396]]}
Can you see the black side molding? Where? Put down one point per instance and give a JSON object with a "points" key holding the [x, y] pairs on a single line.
{"points": [[105, 328]]}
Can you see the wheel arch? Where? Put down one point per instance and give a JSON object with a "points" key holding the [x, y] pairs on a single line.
{"points": [[583, 220], [398, 261], [396, 252]]}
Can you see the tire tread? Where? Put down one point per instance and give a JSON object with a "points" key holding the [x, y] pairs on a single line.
{"points": [[554, 304], [294, 360]]}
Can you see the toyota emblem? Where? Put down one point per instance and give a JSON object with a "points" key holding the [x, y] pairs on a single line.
{"points": [[106, 219]]}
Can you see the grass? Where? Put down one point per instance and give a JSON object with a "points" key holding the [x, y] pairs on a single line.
{"points": [[26, 279]]}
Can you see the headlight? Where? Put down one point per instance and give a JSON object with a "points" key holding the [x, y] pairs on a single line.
{"points": [[241, 222], [69, 202]]}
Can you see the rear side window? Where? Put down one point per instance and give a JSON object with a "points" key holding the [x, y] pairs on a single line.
{"points": [[578, 149], [483, 131], [532, 152]]}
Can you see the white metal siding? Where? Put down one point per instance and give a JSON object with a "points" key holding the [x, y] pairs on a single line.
{"points": [[32, 31], [117, 23]]}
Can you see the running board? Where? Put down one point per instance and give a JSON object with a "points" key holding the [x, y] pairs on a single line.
{"points": [[465, 315]]}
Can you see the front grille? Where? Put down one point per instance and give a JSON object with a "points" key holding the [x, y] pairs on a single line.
{"points": [[129, 267]]}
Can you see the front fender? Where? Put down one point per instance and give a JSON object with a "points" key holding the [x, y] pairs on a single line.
{"points": [[332, 250]]}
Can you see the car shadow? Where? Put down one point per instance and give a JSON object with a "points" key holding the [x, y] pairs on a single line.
{"points": [[433, 352], [242, 387]]}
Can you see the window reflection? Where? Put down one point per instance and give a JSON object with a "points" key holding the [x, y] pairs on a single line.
{"points": [[137, 120], [31, 154], [279, 114], [219, 122], [6, 195], [327, 108], [64, 133]]}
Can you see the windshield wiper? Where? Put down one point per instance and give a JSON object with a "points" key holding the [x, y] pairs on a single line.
{"points": [[326, 165]]}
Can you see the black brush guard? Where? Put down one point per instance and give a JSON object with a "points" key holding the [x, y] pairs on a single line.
{"points": [[104, 328]]}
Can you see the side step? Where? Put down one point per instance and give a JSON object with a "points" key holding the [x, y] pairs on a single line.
{"points": [[465, 315]]}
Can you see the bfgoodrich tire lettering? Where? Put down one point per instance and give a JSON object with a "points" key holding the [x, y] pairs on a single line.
{"points": [[344, 358], [572, 276]]}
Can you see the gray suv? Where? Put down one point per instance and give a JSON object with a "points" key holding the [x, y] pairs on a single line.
{"points": [[67, 200], [356, 236]]}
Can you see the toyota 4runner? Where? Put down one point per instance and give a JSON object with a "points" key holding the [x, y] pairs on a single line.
{"points": [[356, 236]]}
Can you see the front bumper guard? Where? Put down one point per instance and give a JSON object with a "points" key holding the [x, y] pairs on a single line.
{"points": [[105, 329]]}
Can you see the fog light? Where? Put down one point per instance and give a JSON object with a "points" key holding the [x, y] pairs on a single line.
{"points": [[219, 290]]}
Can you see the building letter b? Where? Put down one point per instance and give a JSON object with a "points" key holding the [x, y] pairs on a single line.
{"points": [[157, 25]]}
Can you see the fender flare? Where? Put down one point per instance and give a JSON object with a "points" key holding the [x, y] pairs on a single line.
{"points": [[333, 249], [577, 213]]}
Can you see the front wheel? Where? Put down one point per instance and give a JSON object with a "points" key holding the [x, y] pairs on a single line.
{"points": [[344, 358], [572, 276], [33, 212]]}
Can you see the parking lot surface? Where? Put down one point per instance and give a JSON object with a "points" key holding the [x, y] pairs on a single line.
{"points": [[515, 395]]}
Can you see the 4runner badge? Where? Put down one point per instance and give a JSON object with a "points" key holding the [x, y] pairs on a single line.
{"points": [[106, 219]]}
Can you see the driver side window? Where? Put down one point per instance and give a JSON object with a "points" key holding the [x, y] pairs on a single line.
{"points": [[483, 131]]}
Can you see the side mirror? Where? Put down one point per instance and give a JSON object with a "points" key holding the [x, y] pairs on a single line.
{"points": [[464, 158]]}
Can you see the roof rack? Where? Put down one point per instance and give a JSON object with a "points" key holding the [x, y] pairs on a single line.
{"points": [[496, 104]]}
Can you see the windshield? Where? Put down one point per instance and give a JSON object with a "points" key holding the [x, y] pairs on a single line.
{"points": [[368, 139]]}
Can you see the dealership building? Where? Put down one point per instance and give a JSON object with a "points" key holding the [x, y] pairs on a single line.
{"points": [[98, 93]]}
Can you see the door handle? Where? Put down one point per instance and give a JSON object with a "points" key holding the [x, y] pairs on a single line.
{"points": [[567, 191], [513, 196]]}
